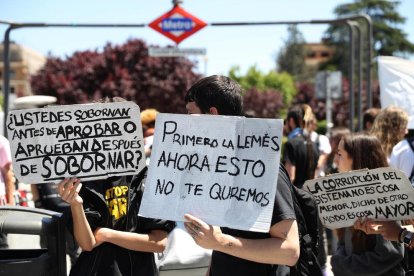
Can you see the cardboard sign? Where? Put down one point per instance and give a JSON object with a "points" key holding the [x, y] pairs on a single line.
{"points": [[89, 141], [382, 194], [221, 169]]}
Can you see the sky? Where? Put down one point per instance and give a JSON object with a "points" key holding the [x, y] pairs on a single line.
{"points": [[226, 46]]}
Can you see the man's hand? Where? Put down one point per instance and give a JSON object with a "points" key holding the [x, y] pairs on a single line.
{"points": [[204, 235], [69, 189]]}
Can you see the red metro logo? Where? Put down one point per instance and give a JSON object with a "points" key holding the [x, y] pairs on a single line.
{"points": [[177, 24]]}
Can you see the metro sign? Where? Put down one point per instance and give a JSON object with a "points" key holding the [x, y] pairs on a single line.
{"points": [[177, 24]]}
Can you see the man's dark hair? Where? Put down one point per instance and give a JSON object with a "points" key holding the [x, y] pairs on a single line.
{"points": [[369, 116], [296, 113], [216, 91]]}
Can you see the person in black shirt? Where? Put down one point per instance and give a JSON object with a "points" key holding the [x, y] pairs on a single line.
{"points": [[300, 153], [114, 239], [237, 252]]}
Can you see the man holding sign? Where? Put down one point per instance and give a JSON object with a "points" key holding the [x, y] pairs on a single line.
{"points": [[237, 252]]}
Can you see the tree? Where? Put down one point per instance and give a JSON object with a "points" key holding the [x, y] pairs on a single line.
{"points": [[267, 95], [291, 58], [124, 71], [388, 38], [262, 104]]}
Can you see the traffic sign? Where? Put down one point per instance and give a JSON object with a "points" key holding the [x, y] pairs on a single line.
{"points": [[176, 52], [328, 80], [177, 24]]}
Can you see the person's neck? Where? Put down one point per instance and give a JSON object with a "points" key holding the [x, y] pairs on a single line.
{"points": [[295, 132]]}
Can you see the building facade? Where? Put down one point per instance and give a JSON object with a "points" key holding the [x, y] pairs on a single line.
{"points": [[317, 53], [24, 62]]}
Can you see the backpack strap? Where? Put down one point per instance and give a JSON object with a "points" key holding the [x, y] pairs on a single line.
{"points": [[307, 244], [305, 241]]}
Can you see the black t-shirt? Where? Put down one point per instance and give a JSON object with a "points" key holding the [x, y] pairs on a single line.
{"points": [[295, 151], [50, 198], [223, 264], [114, 203]]}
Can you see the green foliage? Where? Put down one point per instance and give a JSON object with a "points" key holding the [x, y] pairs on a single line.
{"points": [[1, 102], [118, 71], [389, 39], [253, 78], [291, 58], [266, 95], [322, 127], [282, 83]]}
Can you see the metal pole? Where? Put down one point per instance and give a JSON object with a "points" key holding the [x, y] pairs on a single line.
{"points": [[329, 123], [6, 73], [349, 24], [355, 25], [370, 36], [13, 25], [359, 58]]}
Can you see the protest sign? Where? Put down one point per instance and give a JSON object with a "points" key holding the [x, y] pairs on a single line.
{"points": [[89, 141], [382, 194], [221, 169], [396, 77]]}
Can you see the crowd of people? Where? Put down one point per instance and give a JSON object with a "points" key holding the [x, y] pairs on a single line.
{"points": [[119, 242]]}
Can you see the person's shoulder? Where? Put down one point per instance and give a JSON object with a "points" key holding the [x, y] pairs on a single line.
{"points": [[314, 136], [296, 140], [323, 138], [400, 147], [283, 180]]}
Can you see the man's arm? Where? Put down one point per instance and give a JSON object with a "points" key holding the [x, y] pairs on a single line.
{"points": [[8, 176], [281, 248], [291, 169]]}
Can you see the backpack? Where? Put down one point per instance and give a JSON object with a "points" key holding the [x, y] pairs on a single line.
{"points": [[307, 218]]}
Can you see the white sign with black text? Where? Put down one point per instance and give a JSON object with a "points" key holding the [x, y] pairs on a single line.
{"points": [[222, 169], [89, 141], [382, 194]]}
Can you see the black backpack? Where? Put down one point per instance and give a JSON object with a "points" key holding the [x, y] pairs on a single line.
{"points": [[307, 218]]}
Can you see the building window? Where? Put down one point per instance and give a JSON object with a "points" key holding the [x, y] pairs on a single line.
{"points": [[12, 74], [325, 54]]}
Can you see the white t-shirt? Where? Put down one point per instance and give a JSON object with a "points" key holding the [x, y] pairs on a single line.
{"points": [[322, 141], [402, 157]]}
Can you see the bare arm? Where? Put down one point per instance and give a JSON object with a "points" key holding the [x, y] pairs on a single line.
{"points": [[68, 190], [8, 176], [281, 248], [323, 159], [35, 192], [155, 241], [291, 169]]}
